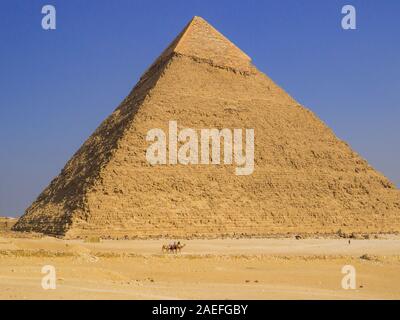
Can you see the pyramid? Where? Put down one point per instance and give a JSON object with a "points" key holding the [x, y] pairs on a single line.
{"points": [[305, 179]]}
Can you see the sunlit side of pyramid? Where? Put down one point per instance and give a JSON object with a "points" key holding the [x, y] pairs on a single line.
{"points": [[305, 180]]}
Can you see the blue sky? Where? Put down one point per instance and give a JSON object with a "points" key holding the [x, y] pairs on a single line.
{"points": [[57, 86]]}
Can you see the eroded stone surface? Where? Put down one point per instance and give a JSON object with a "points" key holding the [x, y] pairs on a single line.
{"points": [[306, 180]]}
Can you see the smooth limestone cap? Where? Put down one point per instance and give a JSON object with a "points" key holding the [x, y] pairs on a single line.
{"points": [[202, 41]]}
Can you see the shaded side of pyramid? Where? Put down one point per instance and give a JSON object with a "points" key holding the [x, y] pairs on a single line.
{"points": [[305, 180]]}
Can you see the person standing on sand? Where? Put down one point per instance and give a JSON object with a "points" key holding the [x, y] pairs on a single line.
{"points": [[172, 246]]}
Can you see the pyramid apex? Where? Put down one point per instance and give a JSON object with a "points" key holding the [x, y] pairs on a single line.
{"points": [[200, 40], [197, 18]]}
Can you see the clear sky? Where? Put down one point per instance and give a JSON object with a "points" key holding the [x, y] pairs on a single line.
{"points": [[57, 86]]}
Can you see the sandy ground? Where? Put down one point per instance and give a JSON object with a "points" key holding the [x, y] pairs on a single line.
{"points": [[206, 269]]}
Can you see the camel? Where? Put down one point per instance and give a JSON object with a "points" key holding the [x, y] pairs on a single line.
{"points": [[169, 247], [173, 247], [180, 246]]}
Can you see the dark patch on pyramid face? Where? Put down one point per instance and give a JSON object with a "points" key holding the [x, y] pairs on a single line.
{"points": [[305, 180]]}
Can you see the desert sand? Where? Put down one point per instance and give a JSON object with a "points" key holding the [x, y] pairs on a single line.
{"points": [[205, 269]]}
